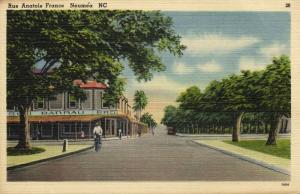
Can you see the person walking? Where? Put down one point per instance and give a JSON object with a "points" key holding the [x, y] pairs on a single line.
{"points": [[120, 133], [37, 137], [97, 133], [82, 134]]}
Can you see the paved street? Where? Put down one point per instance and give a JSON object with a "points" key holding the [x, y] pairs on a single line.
{"points": [[156, 158]]}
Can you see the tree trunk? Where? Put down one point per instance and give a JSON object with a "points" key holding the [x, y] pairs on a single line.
{"points": [[275, 124], [140, 114], [222, 129], [249, 128], [285, 126], [24, 137], [266, 128], [242, 127], [237, 127]]}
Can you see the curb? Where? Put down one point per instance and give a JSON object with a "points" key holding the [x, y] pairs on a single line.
{"points": [[203, 135], [71, 141], [47, 159], [248, 136], [248, 159]]}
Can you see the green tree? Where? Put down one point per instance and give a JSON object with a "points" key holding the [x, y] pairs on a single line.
{"points": [[169, 118], [47, 50], [232, 96], [276, 93], [189, 98], [147, 118], [241, 96], [188, 108], [140, 102]]}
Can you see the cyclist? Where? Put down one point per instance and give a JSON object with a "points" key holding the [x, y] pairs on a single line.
{"points": [[98, 133]]}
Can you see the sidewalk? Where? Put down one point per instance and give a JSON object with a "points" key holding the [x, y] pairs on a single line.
{"points": [[272, 162], [70, 141], [53, 151]]}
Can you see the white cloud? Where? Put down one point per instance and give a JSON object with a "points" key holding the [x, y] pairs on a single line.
{"points": [[267, 53], [160, 83], [182, 68], [217, 43], [274, 50], [210, 67], [247, 63]]}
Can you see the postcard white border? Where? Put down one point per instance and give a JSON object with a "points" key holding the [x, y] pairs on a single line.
{"points": [[163, 186]]}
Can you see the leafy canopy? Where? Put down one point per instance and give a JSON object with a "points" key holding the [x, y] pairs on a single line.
{"points": [[147, 118], [265, 94], [140, 100], [66, 45]]}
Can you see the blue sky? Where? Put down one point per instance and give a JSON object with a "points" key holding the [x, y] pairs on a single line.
{"points": [[218, 44]]}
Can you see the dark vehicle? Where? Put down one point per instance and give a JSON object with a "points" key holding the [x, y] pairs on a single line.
{"points": [[171, 131]]}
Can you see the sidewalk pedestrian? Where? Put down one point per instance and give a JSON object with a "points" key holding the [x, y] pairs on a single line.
{"points": [[38, 134], [139, 132], [120, 133], [97, 135], [82, 134]]}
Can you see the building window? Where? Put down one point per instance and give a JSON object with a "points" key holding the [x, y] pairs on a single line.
{"points": [[72, 101], [105, 104], [9, 107], [57, 103], [13, 130], [69, 128], [87, 104], [98, 99], [39, 103], [47, 130]]}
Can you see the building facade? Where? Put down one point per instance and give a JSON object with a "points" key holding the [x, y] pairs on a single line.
{"points": [[67, 117]]}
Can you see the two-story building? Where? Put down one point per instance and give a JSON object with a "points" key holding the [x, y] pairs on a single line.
{"points": [[67, 117]]}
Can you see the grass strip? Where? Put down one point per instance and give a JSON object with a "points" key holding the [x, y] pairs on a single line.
{"points": [[281, 149]]}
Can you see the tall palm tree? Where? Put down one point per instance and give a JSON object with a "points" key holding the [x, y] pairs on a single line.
{"points": [[140, 102]]}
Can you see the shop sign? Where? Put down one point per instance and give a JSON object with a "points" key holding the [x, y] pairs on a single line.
{"points": [[68, 112]]}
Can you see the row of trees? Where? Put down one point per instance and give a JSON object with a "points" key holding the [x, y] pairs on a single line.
{"points": [[147, 118], [265, 94], [66, 45]]}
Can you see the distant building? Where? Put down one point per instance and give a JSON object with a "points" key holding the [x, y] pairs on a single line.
{"points": [[285, 125], [67, 117]]}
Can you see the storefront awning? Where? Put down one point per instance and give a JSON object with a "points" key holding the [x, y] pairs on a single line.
{"points": [[56, 118], [65, 118]]}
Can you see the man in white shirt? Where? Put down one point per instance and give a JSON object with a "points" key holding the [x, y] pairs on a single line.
{"points": [[97, 129], [98, 133]]}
